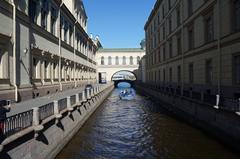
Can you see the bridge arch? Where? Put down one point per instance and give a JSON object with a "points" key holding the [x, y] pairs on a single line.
{"points": [[124, 76]]}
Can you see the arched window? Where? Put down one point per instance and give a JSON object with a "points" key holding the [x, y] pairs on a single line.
{"points": [[109, 60], [124, 60], [102, 60], [138, 59], [117, 60], [131, 60]]}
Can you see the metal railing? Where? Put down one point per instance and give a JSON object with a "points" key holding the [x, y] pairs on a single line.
{"points": [[18, 122], [228, 104], [46, 111], [62, 104], [73, 99]]}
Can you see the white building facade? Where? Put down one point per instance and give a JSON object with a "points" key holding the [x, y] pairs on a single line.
{"points": [[44, 48], [111, 61]]}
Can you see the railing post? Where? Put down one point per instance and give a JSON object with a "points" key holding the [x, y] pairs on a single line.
{"points": [[69, 107], [36, 121], [77, 99], [217, 101], [56, 111], [88, 94], [92, 92], [83, 96]]}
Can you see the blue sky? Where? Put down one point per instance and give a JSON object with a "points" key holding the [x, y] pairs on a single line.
{"points": [[119, 23]]}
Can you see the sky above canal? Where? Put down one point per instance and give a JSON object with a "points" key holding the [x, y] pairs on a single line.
{"points": [[119, 23]]}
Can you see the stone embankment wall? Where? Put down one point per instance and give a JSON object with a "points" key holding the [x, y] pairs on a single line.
{"points": [[224, 125], [48, 134]]}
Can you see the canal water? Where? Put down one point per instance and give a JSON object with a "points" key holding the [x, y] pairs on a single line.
{"points": [[140, 129]]}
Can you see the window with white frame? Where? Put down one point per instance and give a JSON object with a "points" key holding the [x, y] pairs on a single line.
{"points": [[124, 60], [44, 13], [109, 60], [33, 11], [65, 30], [117, 60], [131, 60], [53, 20]]}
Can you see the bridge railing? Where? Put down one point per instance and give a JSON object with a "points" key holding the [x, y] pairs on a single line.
{"points": [[13, 126]]}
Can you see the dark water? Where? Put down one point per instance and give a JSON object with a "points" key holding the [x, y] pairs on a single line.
{"points": [[138, 129]]}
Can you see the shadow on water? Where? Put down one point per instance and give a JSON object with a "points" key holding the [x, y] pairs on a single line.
{"points": [[140, 129]]}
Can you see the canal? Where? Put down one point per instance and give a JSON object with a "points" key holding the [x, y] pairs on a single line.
{"points": [[140, 129]]}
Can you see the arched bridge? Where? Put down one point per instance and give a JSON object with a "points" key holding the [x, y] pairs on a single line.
{"points": [[116, 82]]}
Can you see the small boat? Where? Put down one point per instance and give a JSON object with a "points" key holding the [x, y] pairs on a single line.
{"points": [[126, 95]]}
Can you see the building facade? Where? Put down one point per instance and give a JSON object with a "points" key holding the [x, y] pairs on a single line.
{"points": [[193, 46], [44, 48], [111, 61]]}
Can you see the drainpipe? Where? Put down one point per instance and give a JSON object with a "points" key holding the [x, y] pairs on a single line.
{"points": [[219, 48], [14, 51], [59, 49]]}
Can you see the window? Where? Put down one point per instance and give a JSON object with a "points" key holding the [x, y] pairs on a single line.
{"points": [[53, 20], [46, 69], [163, 12], [191, 73], [178, 16], [209, 72], [237, 69], [209, 31], [164, 53], [109, 60], [117, 60], [124, 60], [131, 60], [169, 4], [179, 45], [163, 31], [102, 60], [55, 71], [190, 37], [170, 48], [65, 30], [138, 59], [236, 15], [170, 74], [33, 11], [164, 75], [34, 68], [70, 34], [170, 24], [179, 73], [190, 7], [159, 75], [159, 56], [44, 13]]}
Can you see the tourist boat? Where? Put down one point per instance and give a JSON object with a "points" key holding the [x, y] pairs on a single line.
{"points": [[126, 95]]}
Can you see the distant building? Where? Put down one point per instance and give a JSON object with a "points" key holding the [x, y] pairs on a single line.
{"points": [[194, 45], [112, 60], [44, 48]]}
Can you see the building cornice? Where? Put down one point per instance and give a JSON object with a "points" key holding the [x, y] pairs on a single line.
{"points": [[153, 13]]}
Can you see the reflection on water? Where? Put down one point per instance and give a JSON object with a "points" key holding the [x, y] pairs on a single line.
{"points": [[139, 129]]}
